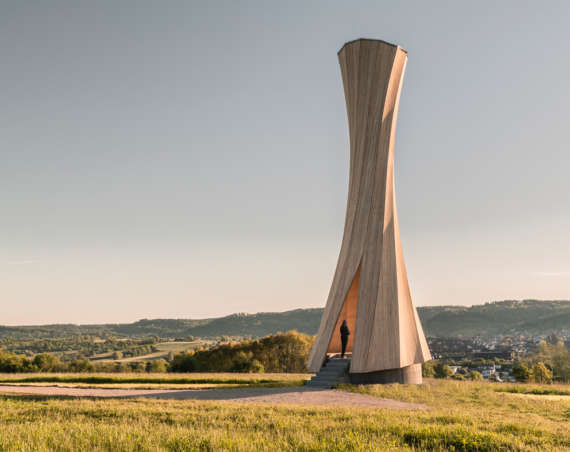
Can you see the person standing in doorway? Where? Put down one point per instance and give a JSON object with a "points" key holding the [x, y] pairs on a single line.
{"points": [[344, 333]]}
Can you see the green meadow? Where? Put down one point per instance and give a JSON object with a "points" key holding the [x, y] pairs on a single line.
{"points": [[462, 416], [156, 380]]}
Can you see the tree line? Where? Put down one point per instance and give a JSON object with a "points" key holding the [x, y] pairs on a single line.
{"points": [[282, 352], [79, 347], [45, 362], [551, 362]]}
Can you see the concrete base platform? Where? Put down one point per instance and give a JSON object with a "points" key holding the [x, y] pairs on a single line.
{"points": [[411, 375]]}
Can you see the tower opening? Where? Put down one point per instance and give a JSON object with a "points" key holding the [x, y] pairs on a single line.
{"points": [[348, 313]]}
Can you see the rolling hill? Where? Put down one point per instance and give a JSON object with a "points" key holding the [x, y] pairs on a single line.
{"points": [[496, 318]]}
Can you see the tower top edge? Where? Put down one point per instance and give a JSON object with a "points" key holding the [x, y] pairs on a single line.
{"points": [[380, 41]]}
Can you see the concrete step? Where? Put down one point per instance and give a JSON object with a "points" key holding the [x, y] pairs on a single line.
{"points": [[323, 382], [334, 372], [326, 377], [329, 377], [337, 369], [333, 364], [326, 384]]}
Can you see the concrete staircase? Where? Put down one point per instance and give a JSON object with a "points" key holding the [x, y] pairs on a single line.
{"points": [[333, 372]]}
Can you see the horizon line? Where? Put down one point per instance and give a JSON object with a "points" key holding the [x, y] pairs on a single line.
{"points": [[264, 312]]}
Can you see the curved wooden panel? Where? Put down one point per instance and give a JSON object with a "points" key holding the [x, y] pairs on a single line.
{"points": [[387, 333]]}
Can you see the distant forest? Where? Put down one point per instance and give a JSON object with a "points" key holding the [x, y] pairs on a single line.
{"points": [[529, 317]]}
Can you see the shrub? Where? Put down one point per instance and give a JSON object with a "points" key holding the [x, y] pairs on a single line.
{"points": [[427, 369], [521, 372], [541, 374], [137, 366], [442, 371], [288, 352], [158, 365], [475, 376], [81, 365], [556, 357], [47, 363], [10, 362]]}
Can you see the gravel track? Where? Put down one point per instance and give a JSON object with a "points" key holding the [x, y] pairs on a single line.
{"points": [[291, 396]]}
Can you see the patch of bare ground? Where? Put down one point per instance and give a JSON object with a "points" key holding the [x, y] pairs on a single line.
{"points": [[290, 396]]}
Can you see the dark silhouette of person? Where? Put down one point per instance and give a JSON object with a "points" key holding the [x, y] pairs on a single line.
{"points": [[344, 333]]}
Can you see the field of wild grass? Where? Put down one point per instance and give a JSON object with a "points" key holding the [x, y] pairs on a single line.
{"points": [[155, 380], [463, 416]]}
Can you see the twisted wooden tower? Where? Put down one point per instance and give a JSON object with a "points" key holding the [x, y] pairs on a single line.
{"points": [[370, 287]]}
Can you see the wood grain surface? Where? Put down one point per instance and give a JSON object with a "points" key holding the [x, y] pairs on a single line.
{"points": [[370, 286]]}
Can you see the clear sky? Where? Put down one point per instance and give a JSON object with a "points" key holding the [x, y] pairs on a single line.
{"points": [[190, 159]]}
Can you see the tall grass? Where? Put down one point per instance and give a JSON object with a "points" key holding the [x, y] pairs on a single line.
{"points": [[562, 390], [160, 378], [463, 416]]}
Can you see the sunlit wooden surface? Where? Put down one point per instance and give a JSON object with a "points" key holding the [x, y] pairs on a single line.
{"points": [[370, 286]]}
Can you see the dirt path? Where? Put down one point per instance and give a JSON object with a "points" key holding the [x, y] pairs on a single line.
{"points": [[296, 395]]}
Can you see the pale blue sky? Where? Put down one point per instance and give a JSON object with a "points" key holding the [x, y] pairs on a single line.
{"points": [[190, 159]]}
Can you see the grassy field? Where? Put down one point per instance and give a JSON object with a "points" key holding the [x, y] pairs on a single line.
{"points": [[163, 349], [561, 390], [463, 416], [179, 347], [156, 381]]}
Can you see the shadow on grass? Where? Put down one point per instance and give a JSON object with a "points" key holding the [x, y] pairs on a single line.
{"points": [[227, 394], [221, 394]]}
